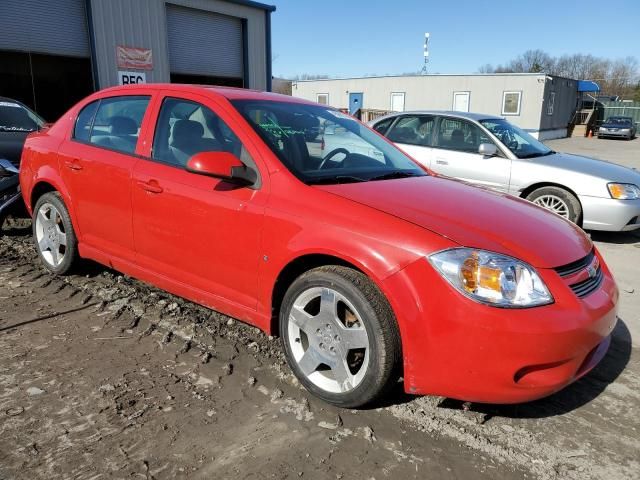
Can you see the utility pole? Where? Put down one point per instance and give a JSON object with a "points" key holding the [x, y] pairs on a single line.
{"points": [[426, 53]]}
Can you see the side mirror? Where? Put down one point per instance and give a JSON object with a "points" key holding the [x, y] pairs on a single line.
{"points": [[488, 150], [222, 165]]}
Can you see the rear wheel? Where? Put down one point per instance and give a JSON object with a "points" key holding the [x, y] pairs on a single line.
{"points": [[558, 200], [53, 234], [340, 336]]}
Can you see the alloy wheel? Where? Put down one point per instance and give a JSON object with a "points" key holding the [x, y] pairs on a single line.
{"points": [[328, 340], [553, 203], [51, 235]]}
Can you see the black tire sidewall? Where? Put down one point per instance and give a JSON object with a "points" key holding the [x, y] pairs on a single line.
{"points": [[573, 204], [376, 379], [71, 252]]}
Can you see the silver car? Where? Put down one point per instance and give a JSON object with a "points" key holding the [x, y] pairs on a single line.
{"points": [[491, 152]]}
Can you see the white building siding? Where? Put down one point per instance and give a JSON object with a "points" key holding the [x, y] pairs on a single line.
{"points": [[436, 92]]}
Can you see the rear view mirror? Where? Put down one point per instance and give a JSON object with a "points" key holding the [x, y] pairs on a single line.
{"points": [[488, 150], [222, 165]]}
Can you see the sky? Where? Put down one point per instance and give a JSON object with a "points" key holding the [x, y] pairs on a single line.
{"points": [[359, 37]]}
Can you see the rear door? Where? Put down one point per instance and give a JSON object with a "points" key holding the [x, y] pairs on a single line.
{"points": [[413, 134], [455, 154], [193, 229], [96, 164]]}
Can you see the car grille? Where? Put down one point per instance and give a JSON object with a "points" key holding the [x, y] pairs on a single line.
{"points": [[583, 287], [574, 267]]}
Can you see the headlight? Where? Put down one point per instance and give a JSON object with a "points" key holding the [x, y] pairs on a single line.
{"points": [[623, 191], [491, 278]]}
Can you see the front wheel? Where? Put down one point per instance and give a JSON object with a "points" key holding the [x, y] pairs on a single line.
{"points": [[53, 234], [559, 201], [340, 336]]}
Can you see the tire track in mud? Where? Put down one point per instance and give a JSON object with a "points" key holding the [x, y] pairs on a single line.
{"points": [[590, 430]]}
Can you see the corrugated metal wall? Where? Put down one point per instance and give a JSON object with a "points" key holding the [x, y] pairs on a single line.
{"points": [[43, 26], [204, 43], [143, 23]]}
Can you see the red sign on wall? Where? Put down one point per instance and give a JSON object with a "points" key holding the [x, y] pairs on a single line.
{"points": [[133, 57]]}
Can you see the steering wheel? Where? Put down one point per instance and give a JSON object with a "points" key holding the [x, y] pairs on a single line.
{"points": [[332, 154]]}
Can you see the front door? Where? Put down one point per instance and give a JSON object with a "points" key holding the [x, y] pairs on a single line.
{"points": [[196, 230], [96, 165], [455, 154], [355, 102]]}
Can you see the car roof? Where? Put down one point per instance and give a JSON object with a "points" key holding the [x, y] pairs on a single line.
{"points": [[447, 113], [230, 93]]}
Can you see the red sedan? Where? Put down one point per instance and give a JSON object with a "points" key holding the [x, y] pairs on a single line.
{"points": [[368, 266]]}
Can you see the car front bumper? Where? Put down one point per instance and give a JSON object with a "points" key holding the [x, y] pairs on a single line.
{"points": [[617, 133], [455, 347], [610, 214]]}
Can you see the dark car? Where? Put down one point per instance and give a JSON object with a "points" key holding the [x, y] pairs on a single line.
{"points": [[620, 127], [16, 122]]}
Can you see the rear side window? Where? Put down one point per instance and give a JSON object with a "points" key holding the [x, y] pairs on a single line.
{"points": [[82, 130], [116, 123], [413, 130]]}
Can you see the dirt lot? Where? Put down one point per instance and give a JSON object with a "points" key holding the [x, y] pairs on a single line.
{"points": [[102, 376]]}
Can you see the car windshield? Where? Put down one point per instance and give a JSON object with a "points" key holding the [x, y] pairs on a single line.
{"points": [[619, 121], [521, 144], [16, 118], [320, 145]]}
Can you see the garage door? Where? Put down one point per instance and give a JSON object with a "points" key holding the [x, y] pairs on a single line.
{"points": [[42, 26], [204, 43]]}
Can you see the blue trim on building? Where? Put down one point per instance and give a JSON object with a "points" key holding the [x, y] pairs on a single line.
{"points": [[249, 3], [92, 45], [267, 29]]}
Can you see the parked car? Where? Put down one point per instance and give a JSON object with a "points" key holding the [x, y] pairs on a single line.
{"points": [[367, 266], [491, 152], [620, 127], [16, 122]]}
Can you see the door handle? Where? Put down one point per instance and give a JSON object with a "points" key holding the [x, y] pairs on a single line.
{"points": [[73, 164], [151, 186]]}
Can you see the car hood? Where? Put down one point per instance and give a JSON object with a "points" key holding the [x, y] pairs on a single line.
{"points": [[590, 166], [474, 217]]}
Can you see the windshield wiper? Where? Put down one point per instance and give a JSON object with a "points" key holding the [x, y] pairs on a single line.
{"points": [[392, 175], [336, 179], [536, 154]]}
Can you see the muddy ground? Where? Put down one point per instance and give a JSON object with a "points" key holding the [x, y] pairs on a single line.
{"points": [[102, 376]]}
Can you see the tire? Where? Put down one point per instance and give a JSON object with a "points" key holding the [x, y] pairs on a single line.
{"points": [[559, 201], [340, 336], [53, 234]]}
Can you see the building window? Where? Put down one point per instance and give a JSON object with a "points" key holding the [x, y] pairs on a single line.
{"points": [[323, 98], [461, 101], [551, 102], [511, 103], [397, 101]]}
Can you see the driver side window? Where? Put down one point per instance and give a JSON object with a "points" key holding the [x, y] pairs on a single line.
{"points": [[460, 135], [185, 128]]}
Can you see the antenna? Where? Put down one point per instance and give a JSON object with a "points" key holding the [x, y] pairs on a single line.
{"points": [[426, 53]]}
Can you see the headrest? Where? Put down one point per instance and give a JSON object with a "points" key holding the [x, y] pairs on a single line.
{"points": [[187, 130], [123, 126]]}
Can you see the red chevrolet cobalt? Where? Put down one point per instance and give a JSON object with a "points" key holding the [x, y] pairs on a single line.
{"points": [[298, 219]]}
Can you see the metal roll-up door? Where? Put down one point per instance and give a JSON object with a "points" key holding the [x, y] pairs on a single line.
{"points": [[43, 26], [204, 43]]}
